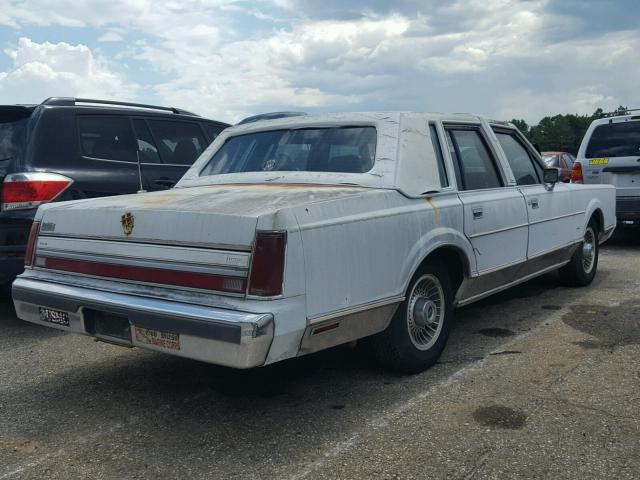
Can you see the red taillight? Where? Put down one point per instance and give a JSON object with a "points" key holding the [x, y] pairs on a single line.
{"points": [[31, 244], [28, 190], [267, 266], [576, 173]]}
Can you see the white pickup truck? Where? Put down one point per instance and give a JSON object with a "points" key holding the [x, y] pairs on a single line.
{"points": [[293, 235]]}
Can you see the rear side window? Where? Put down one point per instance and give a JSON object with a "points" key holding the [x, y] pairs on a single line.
{"points": [[476, 166], [12, 135], [551, 160], [568, 161], [146, 144], [178, 143], [521, 163], [108, 138], [438, 149], [620, 139], [212, 130]]}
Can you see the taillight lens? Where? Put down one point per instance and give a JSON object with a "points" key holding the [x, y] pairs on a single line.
{"points": [[576, 173], [28, 190], [267, 266], [31, 244]]}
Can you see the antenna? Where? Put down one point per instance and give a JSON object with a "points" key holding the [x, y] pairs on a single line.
{"points": [[142, 190]]}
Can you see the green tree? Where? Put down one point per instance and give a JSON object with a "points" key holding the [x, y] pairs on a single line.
{"points": [[522, 126]]}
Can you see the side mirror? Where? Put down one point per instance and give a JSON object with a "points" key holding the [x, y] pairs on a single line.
{"points": [[550, 176]]}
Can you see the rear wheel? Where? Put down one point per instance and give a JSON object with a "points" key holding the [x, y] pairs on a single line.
{"points": [[418, 332], [581, 270]]}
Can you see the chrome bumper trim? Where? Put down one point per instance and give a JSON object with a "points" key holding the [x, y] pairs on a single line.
{"points": [[232, 338]]}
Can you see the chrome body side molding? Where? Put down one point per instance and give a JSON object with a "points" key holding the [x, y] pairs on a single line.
{"points": [[346, 328]]}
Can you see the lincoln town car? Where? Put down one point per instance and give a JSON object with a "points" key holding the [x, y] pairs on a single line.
{"points": [[292, 235]]}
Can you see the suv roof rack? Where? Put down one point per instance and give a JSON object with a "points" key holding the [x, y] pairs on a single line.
{"points": [[618, 114], [270, 116], [70, 101]]}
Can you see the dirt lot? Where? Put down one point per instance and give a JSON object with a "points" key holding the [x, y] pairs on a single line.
{"points": [[538, 382]]}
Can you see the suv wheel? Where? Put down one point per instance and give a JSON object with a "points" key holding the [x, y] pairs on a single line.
{"points": [[418, 332]]}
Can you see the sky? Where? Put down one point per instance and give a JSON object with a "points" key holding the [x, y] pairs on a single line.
{"points": [[227, 59]]}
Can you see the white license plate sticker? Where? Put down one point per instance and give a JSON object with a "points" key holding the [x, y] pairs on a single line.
{"points": [[56, 317], [158, 338]]}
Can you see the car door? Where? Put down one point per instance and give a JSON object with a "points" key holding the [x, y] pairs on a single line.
{"points": [[495, 215], [173, 146], [553, 223]]}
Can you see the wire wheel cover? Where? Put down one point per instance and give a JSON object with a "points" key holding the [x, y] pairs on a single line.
{"points": [[588, 250], [425, 311]]}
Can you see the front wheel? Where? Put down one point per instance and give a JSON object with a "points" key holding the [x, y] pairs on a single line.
{"points": [[581, 270], [418, 332]]}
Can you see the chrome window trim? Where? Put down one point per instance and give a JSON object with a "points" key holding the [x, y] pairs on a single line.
{"points": [[134, 162]]}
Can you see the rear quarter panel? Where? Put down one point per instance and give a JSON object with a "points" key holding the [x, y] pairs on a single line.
{"points": [[365, 249], [592, 198]]}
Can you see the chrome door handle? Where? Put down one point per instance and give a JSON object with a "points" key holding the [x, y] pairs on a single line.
{"points": [[534, 203], [477, 213]]}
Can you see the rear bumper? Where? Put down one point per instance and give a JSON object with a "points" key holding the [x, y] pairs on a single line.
{"points": [[213, 335], [628, 210]]}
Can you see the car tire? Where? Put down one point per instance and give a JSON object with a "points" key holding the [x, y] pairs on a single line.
{"points": [[581, 270], [419, 329]]}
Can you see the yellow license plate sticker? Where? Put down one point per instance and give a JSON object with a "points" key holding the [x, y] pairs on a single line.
{"points": [[158, 338], [599, 161]]}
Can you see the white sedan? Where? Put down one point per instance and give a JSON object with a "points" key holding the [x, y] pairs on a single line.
{"points": [[293, 235]]}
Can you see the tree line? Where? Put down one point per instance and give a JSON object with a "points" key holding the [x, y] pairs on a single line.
{"points": [[562, 132]]}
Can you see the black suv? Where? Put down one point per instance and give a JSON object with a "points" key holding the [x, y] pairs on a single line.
{"points": [[72, 148]]}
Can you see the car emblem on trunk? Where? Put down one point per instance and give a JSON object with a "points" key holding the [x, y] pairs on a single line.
{"points": [[127, 223]]}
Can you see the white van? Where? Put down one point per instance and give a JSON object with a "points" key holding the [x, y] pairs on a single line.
{"points": [[610, 153]]}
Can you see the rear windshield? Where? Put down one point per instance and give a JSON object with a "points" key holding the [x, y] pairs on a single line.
{"points": [[12, 135], [342, 149], [550, 160], [615, 140]]}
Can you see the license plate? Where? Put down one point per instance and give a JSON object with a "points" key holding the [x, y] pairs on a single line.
{"points": [[599, 161], [54, 316], [158, 338]]}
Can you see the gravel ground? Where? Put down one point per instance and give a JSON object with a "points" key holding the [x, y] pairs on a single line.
{"points": [[541, 381]]}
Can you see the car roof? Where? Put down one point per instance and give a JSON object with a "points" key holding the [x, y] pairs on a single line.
{"points": [[405, 157], [93, 106], [327, 119], [97, 110]]}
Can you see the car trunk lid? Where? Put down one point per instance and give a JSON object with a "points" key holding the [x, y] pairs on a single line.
{"points": [[195, 238], [215, 215]]}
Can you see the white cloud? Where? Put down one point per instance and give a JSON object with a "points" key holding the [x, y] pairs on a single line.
{"points": [[45, 69], [110, 36], [230, 58]]}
